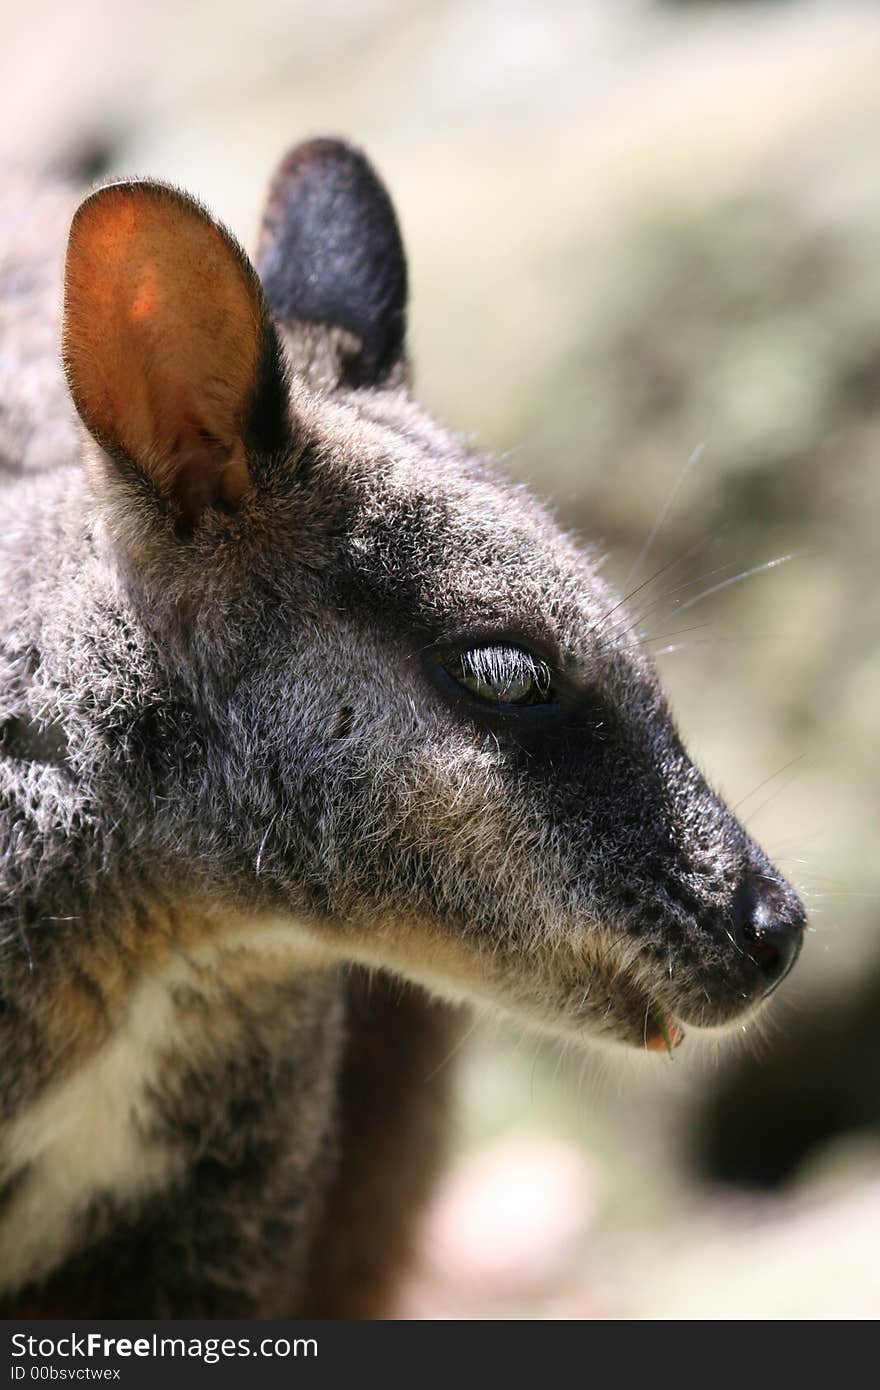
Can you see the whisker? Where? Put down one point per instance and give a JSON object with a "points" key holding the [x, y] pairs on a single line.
{"points": [[664, 512], [680, 606], [768, 780], [753, 815], [663, 636], [820, 897], [679, 588], [686, 584], [735, 579], [711, 642], [453, 1051], [670, 564]]}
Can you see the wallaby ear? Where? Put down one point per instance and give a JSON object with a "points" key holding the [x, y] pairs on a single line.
{"points": [[330, 254], [170, 353]]}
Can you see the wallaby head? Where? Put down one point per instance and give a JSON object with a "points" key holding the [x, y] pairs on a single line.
{"points": [[321, 663]]}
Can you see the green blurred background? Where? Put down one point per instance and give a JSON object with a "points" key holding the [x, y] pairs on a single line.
{"points": [[645, 256]]}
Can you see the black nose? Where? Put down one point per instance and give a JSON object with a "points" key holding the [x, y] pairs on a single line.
{"points": [[769, 921]]}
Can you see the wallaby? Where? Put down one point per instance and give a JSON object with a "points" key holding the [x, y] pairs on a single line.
{"points": [[313, 727]]}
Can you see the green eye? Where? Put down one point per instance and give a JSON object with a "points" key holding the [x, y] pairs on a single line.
{"points": [[502, 675]]}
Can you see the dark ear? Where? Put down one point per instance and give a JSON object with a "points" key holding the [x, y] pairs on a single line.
{"points": [[169, 349], [330, 254]]}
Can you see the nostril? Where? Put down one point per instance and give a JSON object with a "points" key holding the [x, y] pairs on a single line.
{"points": [[765, 952], [769, 921]]}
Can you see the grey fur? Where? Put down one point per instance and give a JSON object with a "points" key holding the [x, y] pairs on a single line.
{"points": [[246, 724]]}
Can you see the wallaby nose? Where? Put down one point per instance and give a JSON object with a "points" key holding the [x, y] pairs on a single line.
{"points": [[769, 921]]}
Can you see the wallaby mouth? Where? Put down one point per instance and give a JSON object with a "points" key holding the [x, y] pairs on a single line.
{"points": [[709, 982], [765, 958], [688, 960], [640, 1021], [662, 1033]]}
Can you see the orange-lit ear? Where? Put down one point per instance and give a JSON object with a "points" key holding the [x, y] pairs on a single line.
{"points": [[167, 343]]}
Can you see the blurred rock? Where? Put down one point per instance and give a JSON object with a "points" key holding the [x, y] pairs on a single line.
{"points": [[508, 1223]]}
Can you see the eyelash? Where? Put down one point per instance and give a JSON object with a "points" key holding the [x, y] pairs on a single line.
{"points": [[503, 671]]}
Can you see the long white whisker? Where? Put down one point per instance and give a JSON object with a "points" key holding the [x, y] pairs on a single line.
{"points": [[664, 512], [772, 778], [735, 579]]}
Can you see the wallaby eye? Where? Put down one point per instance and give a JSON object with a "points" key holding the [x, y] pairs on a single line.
{"points": [[502, 675]]}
